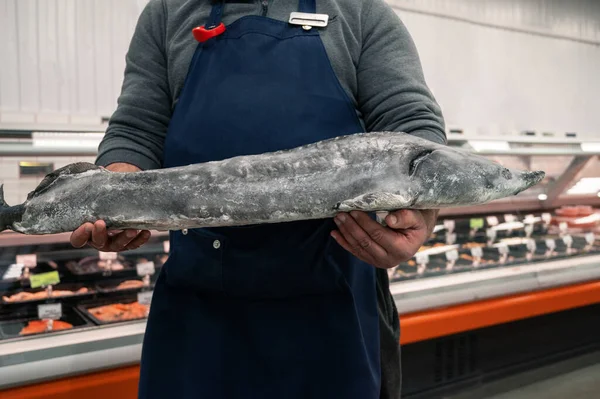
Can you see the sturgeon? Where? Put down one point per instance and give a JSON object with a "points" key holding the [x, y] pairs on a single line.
{"points": [[379, 171]]}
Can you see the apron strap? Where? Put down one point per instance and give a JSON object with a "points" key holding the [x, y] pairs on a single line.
{"points": [[307, 6], [215, 14]]}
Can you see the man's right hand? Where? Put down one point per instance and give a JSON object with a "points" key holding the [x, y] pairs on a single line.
{"points": [[96, 234]]}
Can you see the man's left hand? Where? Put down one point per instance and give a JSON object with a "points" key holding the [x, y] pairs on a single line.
{"points": [[381, 246]]}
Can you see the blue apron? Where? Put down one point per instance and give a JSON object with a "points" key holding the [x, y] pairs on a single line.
{"points": [[271, 311]]}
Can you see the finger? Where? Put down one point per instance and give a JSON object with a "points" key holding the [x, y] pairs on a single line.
{"points": [[358, 239], [383, 236], [337, 236], [121, 240], [405, 219], [394, 243], [99, 235], [412, 231], [82, 235], [140, 240]]}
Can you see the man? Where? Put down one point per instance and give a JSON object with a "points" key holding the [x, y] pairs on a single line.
{"points": [[293, 310]]}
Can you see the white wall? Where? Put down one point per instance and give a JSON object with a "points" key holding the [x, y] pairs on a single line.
{"points": [[62, 61], [575, 19], [487, 77]]}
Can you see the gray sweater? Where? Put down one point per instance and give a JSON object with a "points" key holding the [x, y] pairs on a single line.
{"points": [[370, 50]]}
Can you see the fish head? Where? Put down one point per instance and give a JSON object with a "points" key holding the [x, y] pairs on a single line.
{"points": [[446, 176]]}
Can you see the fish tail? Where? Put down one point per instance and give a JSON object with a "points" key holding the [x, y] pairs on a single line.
{"points": [[8, 214]]}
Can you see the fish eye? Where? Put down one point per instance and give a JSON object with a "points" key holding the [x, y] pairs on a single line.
{"points": [[506, 174], [414, 163]]}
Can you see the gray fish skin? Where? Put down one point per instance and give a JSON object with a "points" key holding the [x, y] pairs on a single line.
{"points": [[381, 171]]}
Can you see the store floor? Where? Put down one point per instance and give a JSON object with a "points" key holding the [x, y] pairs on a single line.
{"points": [[577, 378]]}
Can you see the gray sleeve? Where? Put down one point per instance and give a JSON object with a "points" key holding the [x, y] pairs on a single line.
{"points": [[392, 92], [137, 129]]}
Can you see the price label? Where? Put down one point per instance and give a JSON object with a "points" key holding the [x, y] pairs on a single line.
{"points": [[492, 220], [50, 311], [477, 252], [452, 255], [546, 217], [531, 246], [145, 297], [13, 271], [550, 244], [568, 240], [422, 258], [590, 238], [27, 260], [107, 255], [563, 227], [145, 268], [491, 234], [44, 279], [449, 225], [502, 249], [528, 229], [476, 224], [167, 246], [510, 218], [450, 238]]}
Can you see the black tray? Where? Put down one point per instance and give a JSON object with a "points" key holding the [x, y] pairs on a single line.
{"points": [[109, 286], [126, 299], [88, 266], [12, 322]]}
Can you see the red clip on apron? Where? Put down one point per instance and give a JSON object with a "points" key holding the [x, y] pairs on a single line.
{"points": [[271, 311]]}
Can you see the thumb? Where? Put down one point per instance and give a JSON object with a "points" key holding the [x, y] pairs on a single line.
{"points": [[404, 219]]}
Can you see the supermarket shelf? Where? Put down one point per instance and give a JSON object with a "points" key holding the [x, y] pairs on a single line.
{"points": [[52, 127], [15, 149], [453, 289], [522, 205], [513, 145], [25, 361], [522, 139], [10, 239], [427, 325], [119, 383], [428, 308]]}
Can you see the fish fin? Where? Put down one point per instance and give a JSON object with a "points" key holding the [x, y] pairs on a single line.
{"points": [[71, 169], [375, 202], [3, 203]]}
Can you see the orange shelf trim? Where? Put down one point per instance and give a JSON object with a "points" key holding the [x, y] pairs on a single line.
{"points": [[121, 383], [436, 323]]}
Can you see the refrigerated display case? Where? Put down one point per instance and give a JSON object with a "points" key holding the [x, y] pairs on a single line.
{"points": [[528, 256]]}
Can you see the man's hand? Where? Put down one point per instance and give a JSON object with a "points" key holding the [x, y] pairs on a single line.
{"points": [[380, 246], [96, 234]]}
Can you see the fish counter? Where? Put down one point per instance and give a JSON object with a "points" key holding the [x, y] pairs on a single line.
{"points": [[66, 312]]}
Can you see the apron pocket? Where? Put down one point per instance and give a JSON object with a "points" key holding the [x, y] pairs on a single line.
{"points": [[282, 261], [267, 261], [195, 263]]}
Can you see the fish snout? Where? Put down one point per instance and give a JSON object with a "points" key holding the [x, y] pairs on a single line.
{"points": [[534, 177], [528, 179]]}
